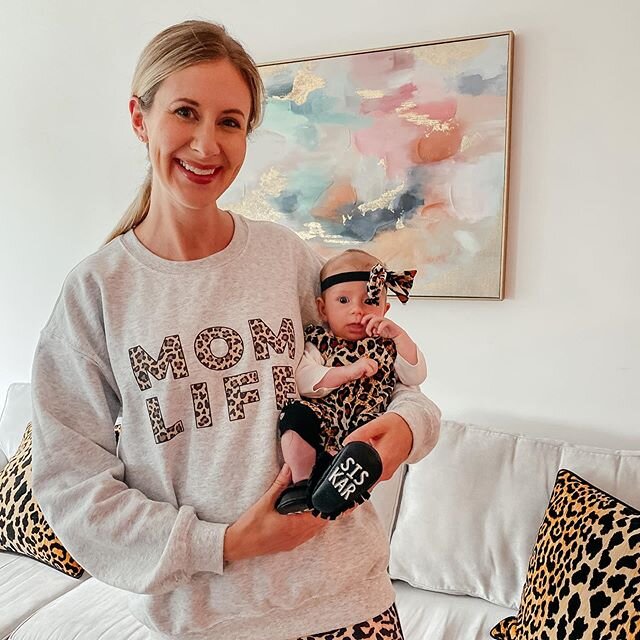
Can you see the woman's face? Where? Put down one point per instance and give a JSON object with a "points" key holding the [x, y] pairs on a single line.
{"points": [[196, 130]]}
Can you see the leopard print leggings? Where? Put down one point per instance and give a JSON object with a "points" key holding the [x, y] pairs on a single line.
{"points": [[386, 626]]}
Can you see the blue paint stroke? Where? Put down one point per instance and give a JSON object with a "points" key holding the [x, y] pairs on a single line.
{"points": [[476, 85]]}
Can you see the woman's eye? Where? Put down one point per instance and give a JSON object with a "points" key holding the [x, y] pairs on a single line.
{"points": [[343, 299], [231, 122], [184, 112]]}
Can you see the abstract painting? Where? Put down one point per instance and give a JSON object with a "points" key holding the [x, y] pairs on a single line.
{"points": [[402, 152]]}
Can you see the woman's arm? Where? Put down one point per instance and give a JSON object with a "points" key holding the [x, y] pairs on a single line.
{"points": [[116, 533], [422, 417], [405, 433]]}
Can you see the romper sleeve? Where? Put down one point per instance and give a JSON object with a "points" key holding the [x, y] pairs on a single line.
{"points": [[411, 374], [310, 371]]}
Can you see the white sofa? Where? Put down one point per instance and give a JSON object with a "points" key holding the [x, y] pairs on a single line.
{"points": [[462, 524]]}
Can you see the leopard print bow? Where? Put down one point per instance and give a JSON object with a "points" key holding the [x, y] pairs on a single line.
{"points": [[400, 283]]}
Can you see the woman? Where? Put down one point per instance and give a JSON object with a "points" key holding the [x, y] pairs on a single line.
{"points": [[189, 322]]}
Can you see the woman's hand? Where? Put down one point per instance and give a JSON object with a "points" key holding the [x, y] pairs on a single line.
{"points": [[390, 436], [261, 530]]}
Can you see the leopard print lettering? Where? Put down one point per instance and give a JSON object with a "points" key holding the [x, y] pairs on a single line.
{"points": [[386, 626], [171, 355], [236, 398], [161, 433], [263, 338], [284, 384], [201, 405], [235, 348]]}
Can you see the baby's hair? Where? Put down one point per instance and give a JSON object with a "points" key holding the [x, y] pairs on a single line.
{"points": [[349, 260]]}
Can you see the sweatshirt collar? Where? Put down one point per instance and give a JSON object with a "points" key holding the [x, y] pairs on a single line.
{"points": [[215, 260]]}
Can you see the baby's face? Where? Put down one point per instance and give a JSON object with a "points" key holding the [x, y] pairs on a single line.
{"points": [[343, 306]]}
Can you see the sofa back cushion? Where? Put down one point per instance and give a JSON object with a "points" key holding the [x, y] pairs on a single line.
{"points": [[470, 511]]}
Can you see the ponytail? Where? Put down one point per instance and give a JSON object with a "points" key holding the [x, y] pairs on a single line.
{"points": [[136, 212]]}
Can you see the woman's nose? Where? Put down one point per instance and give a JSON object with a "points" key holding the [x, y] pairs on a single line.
{"points": [[205, 141]]}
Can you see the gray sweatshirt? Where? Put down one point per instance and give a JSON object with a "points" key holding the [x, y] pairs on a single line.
{"points": [[198, 357]]}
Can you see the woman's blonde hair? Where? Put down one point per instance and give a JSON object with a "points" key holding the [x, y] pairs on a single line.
{"points": [[177, 47]]}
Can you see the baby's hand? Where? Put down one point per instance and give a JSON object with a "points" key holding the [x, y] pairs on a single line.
{"points": [[363, 368], [381, 326]]}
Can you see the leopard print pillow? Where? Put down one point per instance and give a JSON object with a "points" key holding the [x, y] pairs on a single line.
{"points": [[23, 528], [583, 579]]}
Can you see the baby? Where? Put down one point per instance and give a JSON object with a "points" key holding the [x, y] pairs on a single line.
{"points": [[346, 377]]}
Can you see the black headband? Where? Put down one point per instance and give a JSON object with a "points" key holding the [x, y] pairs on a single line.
{"points": [[378, 278], [347, 276]]}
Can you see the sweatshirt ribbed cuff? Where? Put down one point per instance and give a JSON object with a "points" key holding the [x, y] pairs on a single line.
{"points": [[208, 546], [424, 423]]}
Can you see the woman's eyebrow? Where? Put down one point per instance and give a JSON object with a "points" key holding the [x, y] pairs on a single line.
{"points": [[188, 101], [197, 104], [237, 111]]}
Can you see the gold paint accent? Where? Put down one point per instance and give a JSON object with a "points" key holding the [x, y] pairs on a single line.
{"points": [[255, 204], [450, 54], [469, 141], [404, 111], [316, 230], [407, 105], [384, 200], [427, 122], [304, 82], [370, 94], [273, 182], [267, 72]]}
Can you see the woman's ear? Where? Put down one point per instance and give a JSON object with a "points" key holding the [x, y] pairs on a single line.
{"points": [[321, 308], [137, 119]]}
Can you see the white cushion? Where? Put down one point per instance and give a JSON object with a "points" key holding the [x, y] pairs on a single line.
{"points": [[93, 611], [427, 615], [25, 586], [14, 418], [470, 511]]}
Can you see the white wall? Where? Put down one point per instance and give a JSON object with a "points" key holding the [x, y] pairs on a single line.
{"points": [[560, 356]]}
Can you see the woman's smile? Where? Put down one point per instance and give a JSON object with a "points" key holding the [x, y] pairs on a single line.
{"points": [[198, 174]]}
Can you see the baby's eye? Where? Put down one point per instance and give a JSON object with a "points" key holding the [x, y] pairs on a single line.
{"points": [[370, 303], [343, 299]]}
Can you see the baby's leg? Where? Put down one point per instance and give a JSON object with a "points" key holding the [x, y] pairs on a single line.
{"points": [[300, 441], [298, 454], [300, 438]]}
